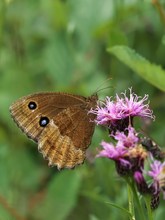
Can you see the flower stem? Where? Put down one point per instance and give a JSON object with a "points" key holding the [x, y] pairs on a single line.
{"points": [[130, 202], [136, 198], [150, 213]]}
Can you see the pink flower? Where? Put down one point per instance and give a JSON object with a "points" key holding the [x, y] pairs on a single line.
{"points": [[128, 154], [157, 173], [111, 112], [128, 140], [134, 105], [114, 153], [140, 182]]}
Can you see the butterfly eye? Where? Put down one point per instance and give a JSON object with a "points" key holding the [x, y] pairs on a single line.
{"points": [[32, 105], [43, 121]]}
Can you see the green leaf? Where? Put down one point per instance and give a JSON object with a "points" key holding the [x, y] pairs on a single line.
{"points": [[61, 196], [120, 208], [105, 200], [152, 73]]}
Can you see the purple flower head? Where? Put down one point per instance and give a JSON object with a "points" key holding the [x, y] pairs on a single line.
{"points": [[128, 140], [108, 113], [134, 105], [157, 173], [127, 154], [115, 153], [137, 156], [118, 114], [140, 182], [155, 200]]}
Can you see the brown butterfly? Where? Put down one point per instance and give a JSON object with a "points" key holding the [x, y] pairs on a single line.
{"points": [[59, 123]]}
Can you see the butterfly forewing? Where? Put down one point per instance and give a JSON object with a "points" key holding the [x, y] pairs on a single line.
{"points": [[47, 105], [59, 122]]}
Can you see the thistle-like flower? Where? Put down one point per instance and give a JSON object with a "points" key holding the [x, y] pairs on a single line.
{"points": [[128, 138], [118, 114], [128, 154], [141, 183], [129, 150], [115, 153], [157, 173]]}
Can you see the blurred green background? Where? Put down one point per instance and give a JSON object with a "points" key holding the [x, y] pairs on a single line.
{"points": [[53, 45]]}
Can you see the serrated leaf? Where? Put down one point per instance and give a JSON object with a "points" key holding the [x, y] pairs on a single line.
{"points": [[152, 73]]}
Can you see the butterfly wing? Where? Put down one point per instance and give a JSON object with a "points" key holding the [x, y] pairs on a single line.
{"points": [[59, 122], [59, 149], [29, 110], [66, 138]]}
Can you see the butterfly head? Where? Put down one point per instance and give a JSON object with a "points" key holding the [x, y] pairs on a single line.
{"points": [[92, 101]]}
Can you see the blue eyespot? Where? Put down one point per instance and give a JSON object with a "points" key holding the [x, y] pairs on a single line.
{"points": [[43, 121]]}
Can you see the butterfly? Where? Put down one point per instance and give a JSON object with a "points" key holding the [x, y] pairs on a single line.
{"points": [[59, 123]]}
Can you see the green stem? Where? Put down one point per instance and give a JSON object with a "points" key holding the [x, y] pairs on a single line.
{"points": [[130, 202], [149, 211], [136, 198]]}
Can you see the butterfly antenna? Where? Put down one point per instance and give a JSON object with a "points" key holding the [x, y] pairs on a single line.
{"points": [[98, 89], [103, 89]]}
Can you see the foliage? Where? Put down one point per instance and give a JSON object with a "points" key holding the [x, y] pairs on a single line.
{"points": [[152, 73], [62, 45]]}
